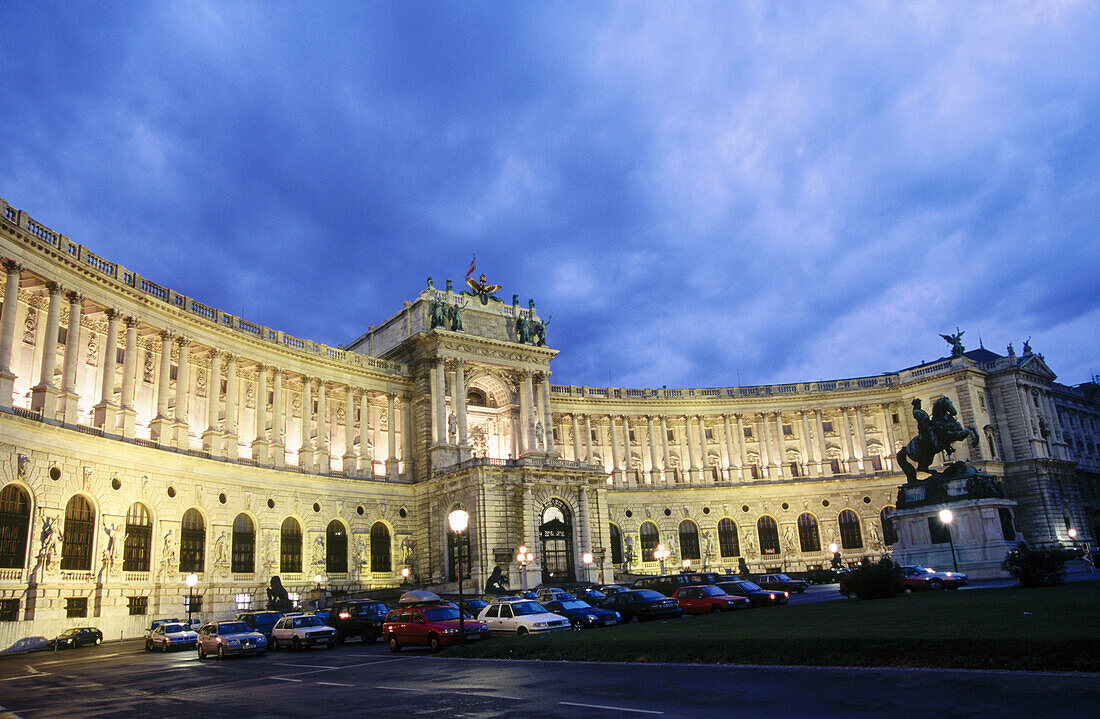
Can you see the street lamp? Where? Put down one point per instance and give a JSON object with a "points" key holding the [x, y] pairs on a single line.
{"points": [[524, 558], [587, 560], [946, 516], [687, 565], [836, 556], [404, 575], [1072, 532], [458, 520], [191, 580], [661, 553]]}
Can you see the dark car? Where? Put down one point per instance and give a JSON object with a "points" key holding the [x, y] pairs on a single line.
{"points": [[782, 583], [826, 576], [473, 607], [76, 637], [636, 605], [321, 614], [262, 622], [758, 596], [358, 618], [669, 583], [609, 589], [581, 614], [592, 595]]}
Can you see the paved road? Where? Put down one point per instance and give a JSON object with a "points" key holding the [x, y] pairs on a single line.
{"points": [[358, 680]]}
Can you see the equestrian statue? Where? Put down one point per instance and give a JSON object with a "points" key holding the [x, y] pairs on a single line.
{"points": [[935, 434]]}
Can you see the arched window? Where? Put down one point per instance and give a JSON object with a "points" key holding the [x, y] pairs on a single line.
{"points": [[476, 398], [244, 545], [808, 536], [616, 545], [850, 535], [290, 546], [15, 521], [728, 546], [76, 545], [689, 540], [889, 532], [650, 538], [380, 548], [192, 542], [336, 548], [769, 535], [139, 539]]}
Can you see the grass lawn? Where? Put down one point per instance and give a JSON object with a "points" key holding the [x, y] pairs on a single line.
{"points": [[1053, 628]]}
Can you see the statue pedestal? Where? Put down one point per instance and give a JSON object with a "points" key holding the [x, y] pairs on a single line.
{"points": [[982, 528]]}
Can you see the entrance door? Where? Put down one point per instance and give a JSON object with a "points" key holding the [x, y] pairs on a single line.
{"points": [[556, 533]]}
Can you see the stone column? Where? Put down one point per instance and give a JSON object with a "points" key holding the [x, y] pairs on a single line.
{"points": [[13, 272], [324, 465], [278, 436], [823, 449], [232, 400], [349, 457], [68, 399], [654, 467], [861, 432], [391, 448], [731, 460], [616, 464], [160, 429], [44, 394], [183, 394], [306, 458], [129, 378], [105, 413], [548, 415], [366, 461], [582, 525], [891, 450], [704, 465], [764, 442], [406, 457], [576, 437], [667, 456], [780, 447], [741, 442], [211, 436], [689, 434], [459, 399], [848, 438], [587, 438], [261, 448], [811, 467], [441, 401], [529, 413], [433, 386], [528, 533]]}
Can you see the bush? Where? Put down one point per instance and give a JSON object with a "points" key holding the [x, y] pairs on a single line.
{"points": [[874, 580], [1037, 567]]}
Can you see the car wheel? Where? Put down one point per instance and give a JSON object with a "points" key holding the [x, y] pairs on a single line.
{"points": [[715, 609], [394, 646], [522, 632], [148, 645], [164, 648], [98, 641], [433, 643], [634, 619], [577, 625], [274, 644], [202, 653], [221, 652], [908, 590], [368, 636], [296, 643], [936, 585]]}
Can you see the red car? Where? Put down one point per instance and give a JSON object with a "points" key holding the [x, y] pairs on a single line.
{"points": [[707, 599], [434, 626]]}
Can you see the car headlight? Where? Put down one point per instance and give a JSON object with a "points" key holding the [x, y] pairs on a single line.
{"points": [[591, 617], [618, 616], [540, 624], [450, 631], [787, 594], [771, 596]]}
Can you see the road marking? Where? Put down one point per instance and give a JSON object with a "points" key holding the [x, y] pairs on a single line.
{"points": [[483, 695], [82, 659], [352, 666], [24, 676], [284, 679], [31, 669], [307, 666], [334, 684], [614, 709], [403, 689]]}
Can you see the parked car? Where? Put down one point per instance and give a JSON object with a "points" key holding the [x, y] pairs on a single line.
{"points": [[171, 636], [826, 576], [473, 607], [302, 631], [517, 615], [429, 626], [581, 614], [549, 594], [708, 599], [782, 583], [590, 594], [358, 618], [635, 605], [669, 583], [609, 589], [758, 596], [321, 614], [157, 622], [76, 637], [229, 637], [261, 622], [940, 580]]}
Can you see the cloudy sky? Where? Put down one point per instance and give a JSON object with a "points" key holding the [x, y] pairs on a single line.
{"points": [[700, 194]]}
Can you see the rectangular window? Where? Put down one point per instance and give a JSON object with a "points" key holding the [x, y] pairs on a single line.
{"points": [[271, 398], [834, 465], [225, 386], [357, 415], [794, 469], [76, 607], [137, 605], [62, 335], [748, 432], [755, 469], [709, 433], [876, 463], [243, 601], [120, 356], [172, 372], [192, 603], [894, 417], [557, 435], [631, 435], [293, 597], [594, 439], [827, 427], [671, 436], [787, 430], [9, 610]]}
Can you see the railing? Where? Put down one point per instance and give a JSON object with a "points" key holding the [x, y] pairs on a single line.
{"points": [[35, 414], [146, 443], [108, 268], [153, 289], [203, 311], [47, 236], [136, 576], [96, 431], [11, 575], [542, 462], [77, 576]]}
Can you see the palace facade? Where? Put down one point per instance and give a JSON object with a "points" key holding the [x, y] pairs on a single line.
{"points": [[146, 436]]}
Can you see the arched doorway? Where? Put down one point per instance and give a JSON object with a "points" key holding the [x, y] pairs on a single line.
{"points": [[556, 533]]}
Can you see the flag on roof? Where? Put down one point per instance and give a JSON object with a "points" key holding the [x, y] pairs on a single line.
{"points": [[473, 263]]}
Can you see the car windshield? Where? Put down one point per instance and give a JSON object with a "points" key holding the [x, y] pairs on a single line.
{"points": [[267, 617], [234, 628], [520, 609], [781, 578], [440, 614], [70, 632], [477, 603], [173, 628], [307, 621], [595, 594], [575, 604], [749, 586], [711, 591], [372, 608], [648, 594]]}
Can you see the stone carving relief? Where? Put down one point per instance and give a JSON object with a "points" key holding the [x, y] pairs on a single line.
{"points": [[30, 326], [200, 384], [147, 370], [93, 351]]}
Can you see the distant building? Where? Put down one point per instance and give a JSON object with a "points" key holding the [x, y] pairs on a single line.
{"points": [[145, 436]]}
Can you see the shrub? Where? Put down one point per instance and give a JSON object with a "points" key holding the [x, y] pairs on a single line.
{"points": [[874, 580], [1037, 567]]}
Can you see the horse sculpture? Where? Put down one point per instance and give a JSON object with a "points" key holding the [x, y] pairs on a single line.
{"points": [[935, 434]]}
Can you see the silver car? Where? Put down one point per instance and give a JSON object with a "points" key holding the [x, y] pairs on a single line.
{"points": [[301, 631], [230, 637], [171, 636]]}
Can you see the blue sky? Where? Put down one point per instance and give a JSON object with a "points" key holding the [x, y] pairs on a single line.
{"points": [[699, 194]]}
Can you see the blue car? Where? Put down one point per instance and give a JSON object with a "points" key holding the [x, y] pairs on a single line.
{"points": [[583, 615]]}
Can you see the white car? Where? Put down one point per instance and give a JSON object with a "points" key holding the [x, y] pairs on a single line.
{"points": [[515, 615], [300, 631], [171, 636]]}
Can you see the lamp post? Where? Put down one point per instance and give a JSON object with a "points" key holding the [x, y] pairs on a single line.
{"points": [[836, 556], [458, 520], [1072, 532], [191, 580], [946, 516], [586, 560], [661, 553], [404, 575], [524, 558], [687, 565]]}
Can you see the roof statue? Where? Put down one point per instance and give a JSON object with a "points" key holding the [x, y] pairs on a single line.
{"points": [[955, 341], [482, 289]]}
